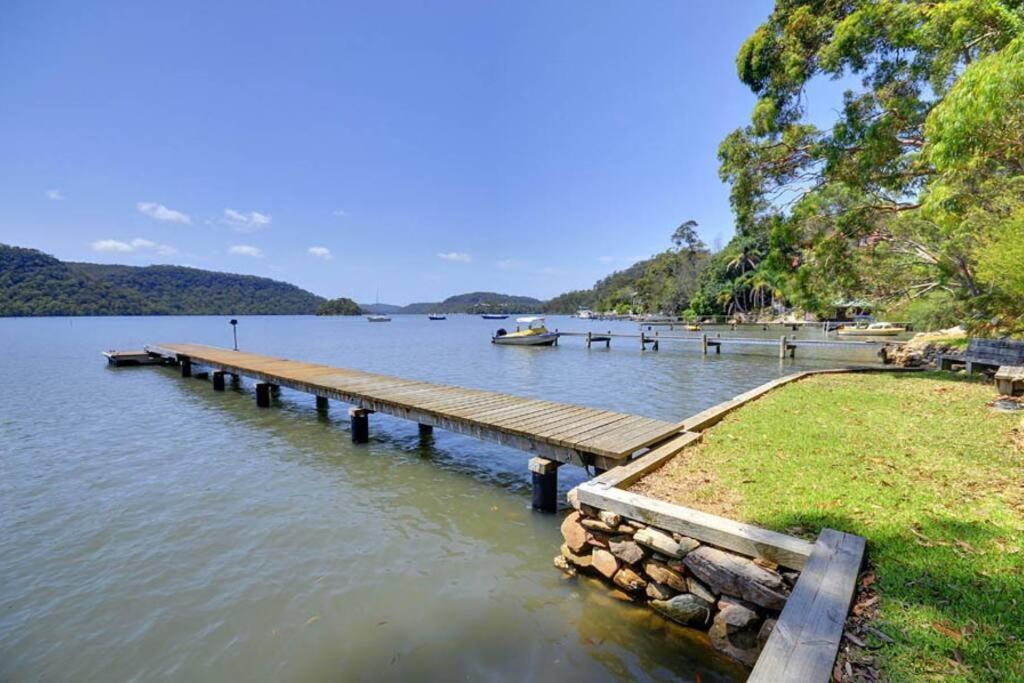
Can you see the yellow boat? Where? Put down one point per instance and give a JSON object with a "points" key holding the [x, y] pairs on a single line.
{"points": [[872, 330], [535, 334], [694, 328]]}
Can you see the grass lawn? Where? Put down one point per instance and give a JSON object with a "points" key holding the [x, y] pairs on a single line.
{"points": [[919, 466]]}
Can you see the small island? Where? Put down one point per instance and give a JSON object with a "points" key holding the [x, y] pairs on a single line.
{"points": [[340, 306]]}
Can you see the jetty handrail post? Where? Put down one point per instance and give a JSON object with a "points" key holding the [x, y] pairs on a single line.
{"points": [[704, 343], [643, 342], [655, 347], [544, 474], [782, 347], [608, 341]]}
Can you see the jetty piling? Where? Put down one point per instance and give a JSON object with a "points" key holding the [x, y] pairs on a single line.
{"points": [[322, 404], [545, 484], [262, 395], [218, 380], [425, 430], [360, 419], [186, 367]]}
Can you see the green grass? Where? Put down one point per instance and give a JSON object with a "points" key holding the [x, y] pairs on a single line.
{"points": [[918, 465]]}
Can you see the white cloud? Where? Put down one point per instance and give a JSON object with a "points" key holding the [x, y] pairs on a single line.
{"points": [[455, 256], [137, 244], [162, 213], [55, 195], [509, 264], [246, 221], [111, 246], [246, 250], [321, 252], [340, 213]]}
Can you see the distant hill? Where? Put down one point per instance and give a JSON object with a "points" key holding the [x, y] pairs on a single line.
{"points": [[33, 283], [605, 294], [473, 302]]}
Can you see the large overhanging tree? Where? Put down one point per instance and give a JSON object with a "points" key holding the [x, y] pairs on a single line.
{"points": [[911, 189]]}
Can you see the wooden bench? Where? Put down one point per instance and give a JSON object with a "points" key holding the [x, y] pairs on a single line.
{"points": [[986, 353], [1010, 380]]}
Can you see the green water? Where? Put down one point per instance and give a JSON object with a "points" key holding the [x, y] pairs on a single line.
{"points": [[152, 529]]}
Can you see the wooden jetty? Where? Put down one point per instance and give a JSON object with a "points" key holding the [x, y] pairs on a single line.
{"points": [[556, 432]]}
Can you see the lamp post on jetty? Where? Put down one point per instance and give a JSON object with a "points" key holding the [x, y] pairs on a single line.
{"points": [[234, 331]]}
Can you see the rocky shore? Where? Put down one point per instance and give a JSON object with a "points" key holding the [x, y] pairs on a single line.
{"points": [[734, 598]]}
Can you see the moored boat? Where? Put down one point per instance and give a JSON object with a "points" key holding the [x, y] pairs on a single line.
{"points": [[872, 330], [437, 316], [378, 318], [535, 334], [493, 316]]}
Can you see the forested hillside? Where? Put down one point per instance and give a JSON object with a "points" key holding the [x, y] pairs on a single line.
{"points": [[33, 283]]}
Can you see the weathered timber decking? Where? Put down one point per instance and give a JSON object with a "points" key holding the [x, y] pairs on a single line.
{"points": [[560, 431]]}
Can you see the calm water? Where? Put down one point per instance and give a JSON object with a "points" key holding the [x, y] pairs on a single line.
{"points": [[152, 529]]}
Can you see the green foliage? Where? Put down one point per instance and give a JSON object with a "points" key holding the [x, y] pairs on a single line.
{"points": [[339, 306], [34, 284], [920, 168]]}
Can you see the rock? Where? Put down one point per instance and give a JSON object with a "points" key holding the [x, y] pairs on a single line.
{"points": [[581, 561], [605, 562], [685, 542], [598, 539], [574, 499], [700, 590], [598, 525], [766, 631], [626, 550], [626, 530], [663, 574], [734, 575], [735, 631], [661, 542], [564, 565], [790, 578], [658, 591], [686, 608], [573, 532], [610, 518], [634, 524], [629, 579]]}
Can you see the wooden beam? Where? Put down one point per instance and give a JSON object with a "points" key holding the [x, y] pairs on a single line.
{"points": [[752, 541], [625, 475], [804, 643]]}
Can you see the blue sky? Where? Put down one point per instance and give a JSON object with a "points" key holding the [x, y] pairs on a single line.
{"points": [[422, 148]]}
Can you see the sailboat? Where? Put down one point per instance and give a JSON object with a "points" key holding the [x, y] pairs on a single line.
{"points": [[377, 317]]}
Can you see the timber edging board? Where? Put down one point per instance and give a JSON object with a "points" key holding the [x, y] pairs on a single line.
{"points": [[805, 640]]}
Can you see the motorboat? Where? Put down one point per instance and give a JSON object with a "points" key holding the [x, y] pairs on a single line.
{"points": [[535, 334], [437, 316], [584, 314], [379, 318], [872, 330], [493, 316]]}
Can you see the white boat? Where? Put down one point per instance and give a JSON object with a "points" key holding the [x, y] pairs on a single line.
{"points": [[378, 318], [872, 330], [535, 334], [584, 314]]}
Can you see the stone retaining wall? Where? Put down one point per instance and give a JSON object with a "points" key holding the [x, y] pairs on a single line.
{"points": [[734, 598]]}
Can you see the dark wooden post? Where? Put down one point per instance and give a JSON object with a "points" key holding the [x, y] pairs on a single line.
{"points": [[782, 347], [704, 343], [656, 341], [360, 419], [426, 430], [262, 395], [321, 404], [545, 484], [588, 339], [218, 380], [186, 367]]}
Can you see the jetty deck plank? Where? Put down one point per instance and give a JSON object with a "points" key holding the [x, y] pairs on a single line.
{"points": [[563, 431]]}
